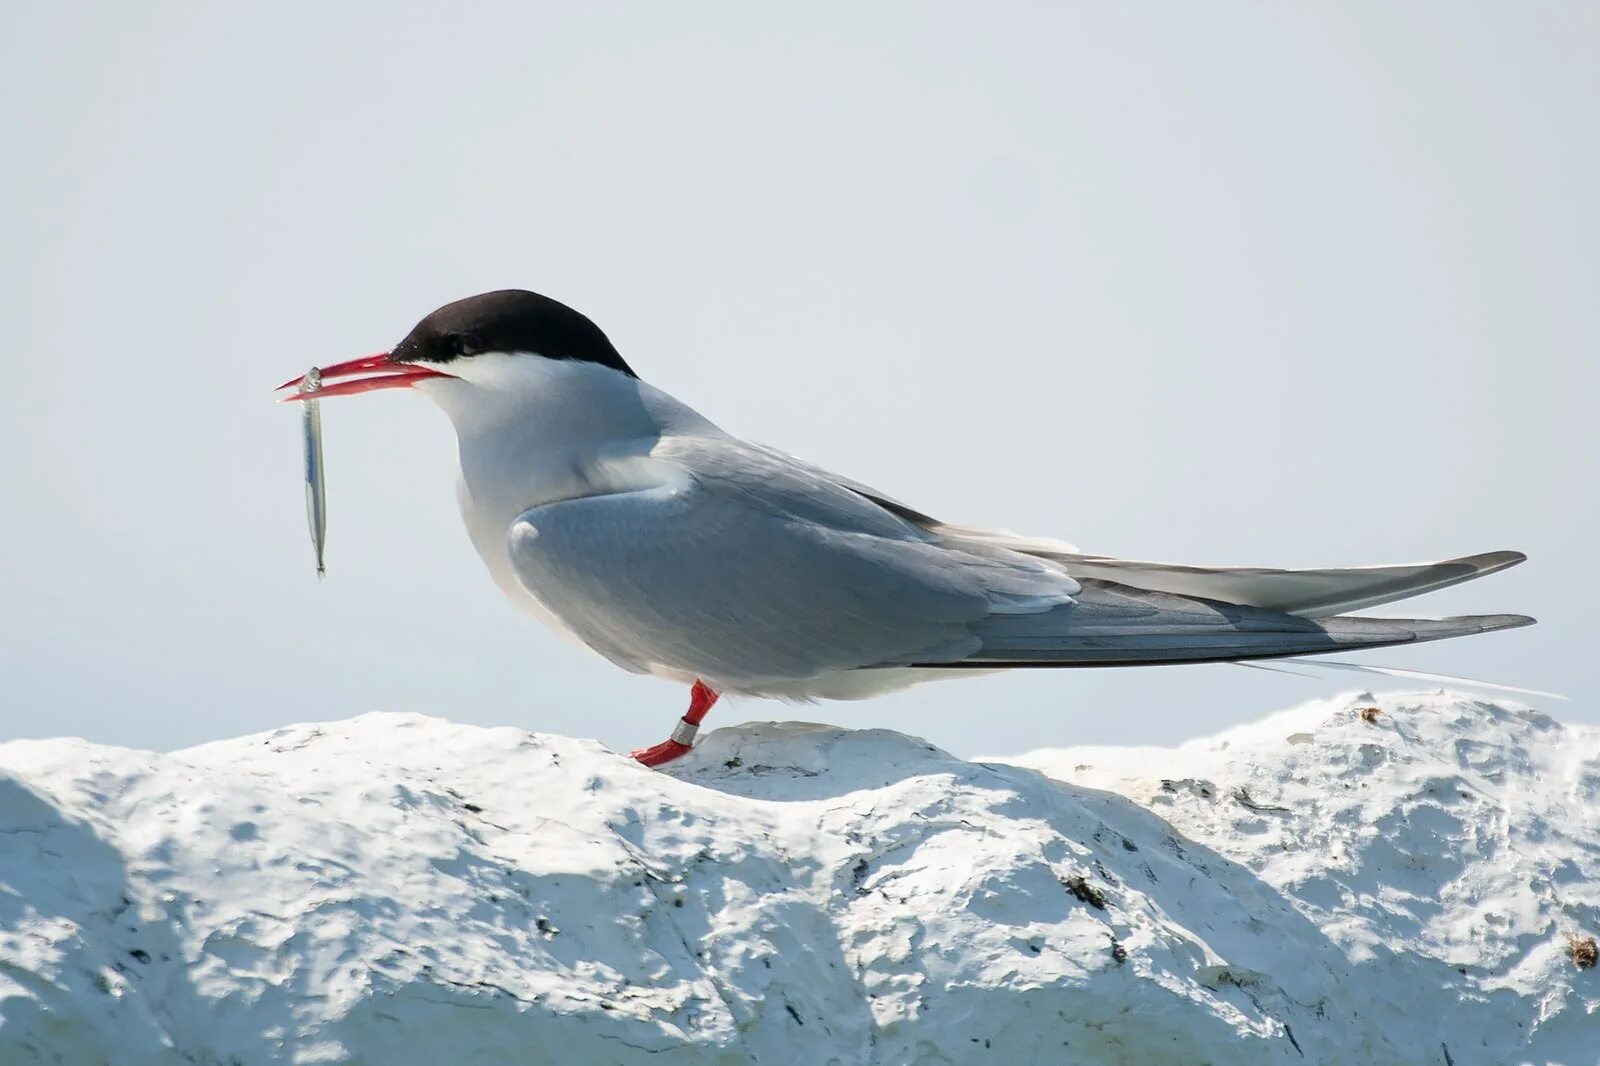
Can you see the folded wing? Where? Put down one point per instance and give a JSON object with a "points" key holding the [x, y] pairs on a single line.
{"points": [[737, 568], [1317, 593], [1110, 624], [734, 563]]}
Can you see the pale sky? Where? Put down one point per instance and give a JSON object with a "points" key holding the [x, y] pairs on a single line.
{"points": [[1221, 283]]}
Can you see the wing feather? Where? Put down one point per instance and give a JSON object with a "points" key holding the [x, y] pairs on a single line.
{"points": [[1315, 593], [746, 570], [734, 563]]}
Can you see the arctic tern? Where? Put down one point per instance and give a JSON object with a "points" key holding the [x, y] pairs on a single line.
{"points": [[620, 516]]}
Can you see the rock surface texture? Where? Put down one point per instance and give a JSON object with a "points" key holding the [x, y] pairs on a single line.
{"points": [[1405, 880]]}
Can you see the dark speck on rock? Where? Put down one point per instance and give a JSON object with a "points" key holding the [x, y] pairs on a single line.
{"points": [[473, 807], [858, 874], [1080, 887], [140, 954]]}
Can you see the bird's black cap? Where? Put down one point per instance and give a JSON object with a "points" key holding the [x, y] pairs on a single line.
{"points": [[510, 320]]}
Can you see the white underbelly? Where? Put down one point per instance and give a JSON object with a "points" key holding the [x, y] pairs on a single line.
{"points": [[844, 685]]}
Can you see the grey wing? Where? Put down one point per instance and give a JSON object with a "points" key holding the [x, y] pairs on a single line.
{"points": [[1321, 592], [741, 569], [1311, 593], [1110, 624], [1317, 593], [740, 566]]}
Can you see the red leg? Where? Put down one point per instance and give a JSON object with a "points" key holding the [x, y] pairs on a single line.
{"points": [[701, 699]]}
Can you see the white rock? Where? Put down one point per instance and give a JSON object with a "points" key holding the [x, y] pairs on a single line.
{"points": [[400, 889]]}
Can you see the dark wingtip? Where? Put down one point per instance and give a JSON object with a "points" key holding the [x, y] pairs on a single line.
{"points": [[1493, 623], [1489, 562]]}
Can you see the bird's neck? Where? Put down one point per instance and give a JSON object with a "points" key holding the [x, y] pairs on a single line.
{"points": [[541, 440]]}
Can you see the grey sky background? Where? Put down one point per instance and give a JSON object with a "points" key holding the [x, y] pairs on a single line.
{"points": [[1267, 284]]}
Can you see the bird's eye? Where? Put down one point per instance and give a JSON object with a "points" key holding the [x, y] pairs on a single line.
{"points": [[467, 344]]}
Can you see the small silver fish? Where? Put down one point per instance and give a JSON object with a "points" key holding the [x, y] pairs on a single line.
{"points": [[316, 487]]}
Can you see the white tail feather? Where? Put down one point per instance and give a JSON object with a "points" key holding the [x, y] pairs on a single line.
{"points": [[1274, 669], [1422, 675]]}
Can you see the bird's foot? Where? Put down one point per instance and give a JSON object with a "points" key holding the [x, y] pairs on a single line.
{"points": [[701, 698], [660, 754]]}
